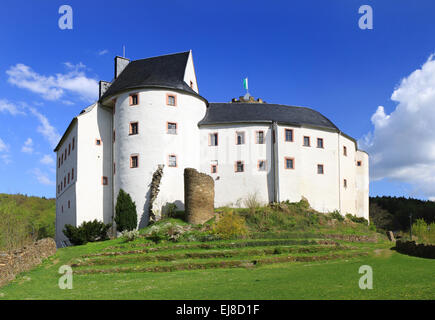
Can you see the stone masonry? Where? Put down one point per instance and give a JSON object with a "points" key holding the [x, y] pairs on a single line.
{"points": [[198, 196]]}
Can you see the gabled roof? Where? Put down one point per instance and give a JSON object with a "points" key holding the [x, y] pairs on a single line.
{"points": [[226, 113], [163, 71]]}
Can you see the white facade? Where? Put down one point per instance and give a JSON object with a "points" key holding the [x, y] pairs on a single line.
{"points": [[121, 140]]}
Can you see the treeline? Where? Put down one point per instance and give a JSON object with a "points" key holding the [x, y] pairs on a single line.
{"points": [[392, 213], [24, 219]]}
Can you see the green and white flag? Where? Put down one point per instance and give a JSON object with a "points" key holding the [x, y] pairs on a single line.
{"points": [[245, 84]]}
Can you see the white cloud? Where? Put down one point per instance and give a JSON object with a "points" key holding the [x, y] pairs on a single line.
{"points": [[28, 146], [103, 52], [13, 109], [3, 146], [402, 144], [47, 159], [6, 158], [54, 87], [45, 128], [42, 177]]}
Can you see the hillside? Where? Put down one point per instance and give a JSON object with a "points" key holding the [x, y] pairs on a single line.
{"points": [[25, 218]]}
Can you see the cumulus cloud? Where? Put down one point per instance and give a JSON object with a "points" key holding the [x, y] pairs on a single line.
{"points": [[54, 87], [45, 128], [28, 146], [42, 177], [47, 159], [402, 143], [4, 152]]}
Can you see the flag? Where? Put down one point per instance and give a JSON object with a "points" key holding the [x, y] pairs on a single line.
{"points": [[245, 84]]}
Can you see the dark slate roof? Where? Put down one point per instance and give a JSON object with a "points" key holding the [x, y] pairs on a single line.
{"points": [[163, 71], [226, 113]]}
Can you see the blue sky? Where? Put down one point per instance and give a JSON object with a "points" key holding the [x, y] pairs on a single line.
{"points": [[308, 53]]}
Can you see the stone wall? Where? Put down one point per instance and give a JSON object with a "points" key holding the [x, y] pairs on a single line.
{"points": [[198, 196], [24, 259]]}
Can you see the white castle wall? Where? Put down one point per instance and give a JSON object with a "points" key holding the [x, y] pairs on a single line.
{"points": [[153, 145]]}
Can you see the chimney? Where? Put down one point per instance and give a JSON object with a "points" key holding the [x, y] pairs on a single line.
{"points": [[104, 85], [120, 64]]}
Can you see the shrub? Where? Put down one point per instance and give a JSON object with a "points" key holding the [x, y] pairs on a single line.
{"points": [[125, 212], [424, 232], [171, 210], [89, 231], [229, 226], [356, 219], [130, 235], [251, 202], [336, 215]]}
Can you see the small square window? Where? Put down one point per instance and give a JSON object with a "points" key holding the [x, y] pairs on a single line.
{"points": [[240, 166], [240, 138], [105, 181], [289, 163], [359, 163], [172, 160], [262, 165], [134, 161], [288, 135], [344, 150], [98, 142], [260, 137], [171, 128], [319, 143], [213, 168], [191, 84], [134, 128], [171, 100], [345, 183], [320, 169], [134, 99], [213, 139], [306, 141]]}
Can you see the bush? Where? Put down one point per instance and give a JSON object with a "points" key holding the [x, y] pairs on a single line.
{"points": [[336, 215], [125, 212], [356, 219], [229, 226], [424, 232], [130, 235], [90, 231], [251, 202]]}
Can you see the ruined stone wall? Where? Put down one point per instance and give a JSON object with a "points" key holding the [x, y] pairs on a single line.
{"points": [[198, 196], [24, 259]]}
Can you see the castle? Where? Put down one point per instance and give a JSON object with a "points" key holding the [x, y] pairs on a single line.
{"points": [[151, 115]]}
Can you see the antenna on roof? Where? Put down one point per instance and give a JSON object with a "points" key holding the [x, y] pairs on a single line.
{"points": [[123, 51]]}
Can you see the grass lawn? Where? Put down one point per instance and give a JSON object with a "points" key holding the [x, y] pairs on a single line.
{"points": [[395, 276]]}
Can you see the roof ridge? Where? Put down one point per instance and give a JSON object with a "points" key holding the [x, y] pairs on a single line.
{"points": [[163, 55]]}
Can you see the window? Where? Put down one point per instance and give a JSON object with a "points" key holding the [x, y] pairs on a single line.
{"points": [[114, 135], [319, 143], [289, 135], [134, 161], [191, 84], [320, 169], [240, 138], [69, 149], [289, 163], [134, 128], [61, 186], [61, 159], [105, 181], [261, 165], [344, 150], [64, 181], [73, 143], [240, 166], [345, 183], [306, 141], [171, 100], [171, 127], [213, 139], [68, 177], [172, 160], [114, 168], [134, 99], [58, 162], [213, 168], [69, 204], [98, 142], [260, 137], [72, 174], [359, 163]]}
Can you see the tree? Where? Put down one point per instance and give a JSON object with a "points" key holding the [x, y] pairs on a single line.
{"points": [[125, 212]]}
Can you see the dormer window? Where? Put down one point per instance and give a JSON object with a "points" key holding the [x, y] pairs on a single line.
{"points": [[171, 100], [134, 99]]}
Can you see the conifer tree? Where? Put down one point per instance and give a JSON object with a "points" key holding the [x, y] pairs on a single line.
{"points": [[125, 212]]}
